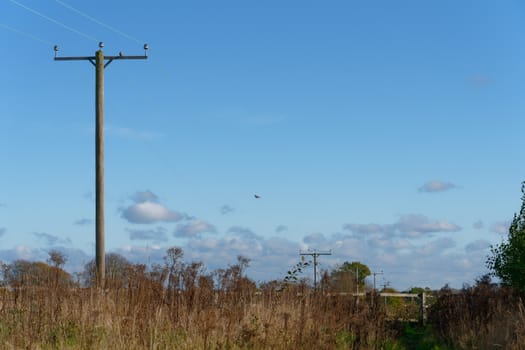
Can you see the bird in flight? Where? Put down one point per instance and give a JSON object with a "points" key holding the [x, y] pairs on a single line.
{"points": [[257, 196]]}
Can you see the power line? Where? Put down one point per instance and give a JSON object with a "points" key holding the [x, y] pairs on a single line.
{"points": [[53, 20], [34, 37], [93, 19]]}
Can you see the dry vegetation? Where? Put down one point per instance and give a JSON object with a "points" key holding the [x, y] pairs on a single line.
{"points": [[486, 316], [178, 306], [144, 315]]}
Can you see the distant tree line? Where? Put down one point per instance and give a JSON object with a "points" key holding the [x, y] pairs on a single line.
{"points": [[175, 274]]}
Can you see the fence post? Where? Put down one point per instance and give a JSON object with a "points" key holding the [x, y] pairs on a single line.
{"points": [[423, 312]]}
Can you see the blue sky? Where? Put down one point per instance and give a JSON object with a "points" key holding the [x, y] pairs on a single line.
{"points": [[388, 132]]}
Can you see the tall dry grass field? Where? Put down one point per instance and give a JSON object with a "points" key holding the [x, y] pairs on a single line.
{"points": [[178, 306], [486, 316], [144, 314]]}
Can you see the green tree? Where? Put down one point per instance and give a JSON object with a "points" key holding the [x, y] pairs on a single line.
{"points": [[508, 258], [345, 276]]}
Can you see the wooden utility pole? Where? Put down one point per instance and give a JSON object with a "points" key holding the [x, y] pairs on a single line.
{"points": [[315, 254], [376, 273], [99, 61]]}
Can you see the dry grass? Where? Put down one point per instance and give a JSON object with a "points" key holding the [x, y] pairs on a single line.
{"points": [[144, 315], [482, 317], [179, 307]]}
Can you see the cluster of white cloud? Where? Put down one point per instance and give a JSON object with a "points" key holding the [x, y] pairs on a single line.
{"points": [[412, 250], [146, 210], [156, 235], [436, 186], [500, 227], [412, 225], [194, 229], [404, 246], [50, 240]]}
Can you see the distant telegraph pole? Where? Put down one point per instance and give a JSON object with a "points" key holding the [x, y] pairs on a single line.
{"points": [[99, 61], [315, 254], [376, 273]]}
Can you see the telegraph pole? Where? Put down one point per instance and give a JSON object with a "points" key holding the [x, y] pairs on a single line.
{"points": [[315, 254], [385, 284], [99, 61], [376, 273]]}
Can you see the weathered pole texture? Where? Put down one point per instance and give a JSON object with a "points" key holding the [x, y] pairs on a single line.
{"points": [[99, 168]]}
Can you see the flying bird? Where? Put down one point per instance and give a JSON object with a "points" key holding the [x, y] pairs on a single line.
{"points": [[257, 196]]}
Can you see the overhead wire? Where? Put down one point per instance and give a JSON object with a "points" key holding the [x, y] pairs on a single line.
{"points": [[54, 20], [93, 19], [29, 35]]}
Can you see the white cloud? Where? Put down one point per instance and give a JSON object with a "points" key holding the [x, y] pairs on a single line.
{"points": [[243, 232], [415, 225], [144, 196], [411, 225], [150, 212], [76, 258], [435, 247], [155, 235], [500, 227], [147, 210], [150, 254], [194, 228], [405, 249], [479, 245], [364, 228], [51, 240], [315, 239], [390, 244], [436, 186], [22, 252]]}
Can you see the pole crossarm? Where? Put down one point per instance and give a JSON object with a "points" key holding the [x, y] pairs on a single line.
{"points": [[93, 59], [315, 254]]}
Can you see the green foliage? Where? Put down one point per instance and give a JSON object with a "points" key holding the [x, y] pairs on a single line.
{"points": [[508, 258], [420, 338], [361, 271], [345, 340], [292, 276], [419, 290], [344, 277]]}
